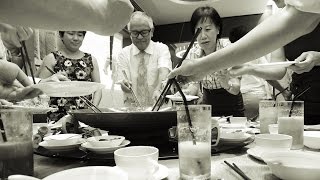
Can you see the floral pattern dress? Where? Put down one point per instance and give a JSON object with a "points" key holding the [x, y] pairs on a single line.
{"points": [[77, 70]]}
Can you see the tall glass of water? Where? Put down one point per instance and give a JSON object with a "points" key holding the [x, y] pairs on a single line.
{"points": [[194, 142], [291, 121], [16, 151]]}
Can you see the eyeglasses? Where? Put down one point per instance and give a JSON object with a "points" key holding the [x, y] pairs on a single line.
{"points": [[144, 33]]}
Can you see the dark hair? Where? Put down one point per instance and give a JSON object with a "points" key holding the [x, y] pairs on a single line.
{"points": [[237, 33], [61, 33], [201, 13]]}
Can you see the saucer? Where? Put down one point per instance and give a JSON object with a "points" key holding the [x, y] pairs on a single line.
{"points": [[104, 150], [236, 138], [231, 126], [60, 148], [256, 152], [179, 98], [162, 172]]}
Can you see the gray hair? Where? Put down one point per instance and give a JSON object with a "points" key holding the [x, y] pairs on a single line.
{"points": [[143, 15]]}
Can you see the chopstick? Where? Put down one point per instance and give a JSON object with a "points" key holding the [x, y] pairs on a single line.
{"points": [[83, 98], [165, 90], [130, 88], [237, 170], [25, 57], [90, 104], [3, 132]]}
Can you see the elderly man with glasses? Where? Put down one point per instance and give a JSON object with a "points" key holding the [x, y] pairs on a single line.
{"points": [[145, 63]]}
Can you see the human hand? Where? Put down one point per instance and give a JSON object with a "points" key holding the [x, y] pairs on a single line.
{"points": [[13, 81], [60, 76], [305, 62], [126, 86], [223, 77], [5, 102], [12, 36], [188, 72]]}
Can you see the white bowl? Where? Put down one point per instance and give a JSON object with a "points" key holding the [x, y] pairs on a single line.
{"points": [[106, 141], [63, 139], [293, 165], [274, 141], [311, 139]]}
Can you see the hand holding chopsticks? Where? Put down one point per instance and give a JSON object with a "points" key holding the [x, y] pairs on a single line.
{"points": [[237, 170], [130, 88]]}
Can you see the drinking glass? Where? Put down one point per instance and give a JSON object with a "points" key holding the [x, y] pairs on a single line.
{"points": [[16, 151], [267, 115], [194, 142], [291, 121]]}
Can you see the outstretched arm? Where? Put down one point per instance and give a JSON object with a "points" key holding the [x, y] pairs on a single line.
{"points": [[104, 17], [273, 33]]}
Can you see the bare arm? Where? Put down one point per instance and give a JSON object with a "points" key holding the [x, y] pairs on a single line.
{"points": [[96, 78], [273, 33], [104, 17]]}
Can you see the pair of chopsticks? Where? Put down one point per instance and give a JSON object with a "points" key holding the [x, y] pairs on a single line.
{"points": [[3, 132], [83, 98], [237, 170], [130, 88], [164, 92], [25, 58]]}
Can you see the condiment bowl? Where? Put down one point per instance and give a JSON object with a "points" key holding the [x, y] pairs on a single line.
{"points": [[63, 139]]}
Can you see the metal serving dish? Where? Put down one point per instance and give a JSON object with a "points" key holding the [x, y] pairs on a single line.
{"points": [[141, 128]]}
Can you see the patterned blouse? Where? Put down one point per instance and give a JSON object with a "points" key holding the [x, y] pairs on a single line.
{"points": [[210, 81], [77, 70]]}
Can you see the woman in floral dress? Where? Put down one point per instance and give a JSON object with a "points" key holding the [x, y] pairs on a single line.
{"points": [[76, 65]]}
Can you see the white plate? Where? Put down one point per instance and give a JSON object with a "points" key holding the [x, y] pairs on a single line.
{"points": [[68, 88], [232, 126], [104, 150], [275, 64], [256, 152], [36, 110], [162, 173], [179, 98], [60, 148], [235, 139], [90, 173]]}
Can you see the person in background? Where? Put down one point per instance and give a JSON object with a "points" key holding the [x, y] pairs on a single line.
{"points": [[298, 18], [76, 65], [145, 62], [220, 90]]}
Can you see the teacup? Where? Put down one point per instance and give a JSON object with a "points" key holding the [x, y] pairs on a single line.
{"points": [[140, 162]]}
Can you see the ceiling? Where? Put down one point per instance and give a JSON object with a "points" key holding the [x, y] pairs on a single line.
{"points": [[176, 11]]}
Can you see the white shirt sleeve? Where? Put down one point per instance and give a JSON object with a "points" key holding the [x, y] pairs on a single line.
{"points": [[122, 64], [312, 6], [164, 59]]}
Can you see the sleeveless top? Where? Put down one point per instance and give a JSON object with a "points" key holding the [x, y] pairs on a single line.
{"points": [[76, 70]]}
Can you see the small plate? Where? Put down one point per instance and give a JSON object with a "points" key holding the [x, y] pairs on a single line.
{"points": [[162, 173], [60, 148], [179, 98], [68, 88], [232, 126], [235, 139], [104, 150], [256, 152], [275, 64]]}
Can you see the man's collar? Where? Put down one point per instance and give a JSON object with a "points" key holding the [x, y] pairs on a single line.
{"points": [[148, 50]]}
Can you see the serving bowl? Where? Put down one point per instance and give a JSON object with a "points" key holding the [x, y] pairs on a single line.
{"points": [[105, 141], [63, 139], [311, 139], [274, 141], [292, 165]]}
